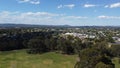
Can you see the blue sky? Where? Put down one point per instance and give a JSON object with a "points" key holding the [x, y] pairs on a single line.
{"points": [[61, 12]]}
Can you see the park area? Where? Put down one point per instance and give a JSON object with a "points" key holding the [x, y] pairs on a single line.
{"points": [[20, 59]]}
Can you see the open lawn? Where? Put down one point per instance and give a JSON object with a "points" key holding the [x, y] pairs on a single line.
{"points": [[20, 59], [116, 62]]}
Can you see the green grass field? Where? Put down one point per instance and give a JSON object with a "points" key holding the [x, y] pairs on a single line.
{"points": [[20, 59], [116, 62]]}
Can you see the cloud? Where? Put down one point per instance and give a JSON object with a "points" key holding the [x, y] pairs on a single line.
{"points": [[89, 5], [60, 6], [35, 2], [70, 6], [27, 17], [108, 17], [29, 1], [74, 17], [106, 6], [39, 14], [66, 6], [22, 1], [114, 5], [37, 18]]}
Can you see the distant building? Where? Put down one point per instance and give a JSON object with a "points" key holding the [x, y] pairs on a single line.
{"points": [[79, 35], [117, 39], [92, 36]]}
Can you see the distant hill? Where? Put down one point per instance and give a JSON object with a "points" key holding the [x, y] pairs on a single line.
{"points": [[28, 25], [49, 26]]}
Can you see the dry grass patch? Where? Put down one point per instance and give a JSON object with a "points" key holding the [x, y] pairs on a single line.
{"points": [[48, 62]]}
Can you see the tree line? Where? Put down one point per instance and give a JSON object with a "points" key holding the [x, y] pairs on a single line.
{"points": [[92, 53]]}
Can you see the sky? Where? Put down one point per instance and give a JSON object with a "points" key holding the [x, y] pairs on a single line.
{"points": [[61, 12]]}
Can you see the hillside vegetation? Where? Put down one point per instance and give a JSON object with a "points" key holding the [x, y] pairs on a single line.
{"points": [[20, 59]]}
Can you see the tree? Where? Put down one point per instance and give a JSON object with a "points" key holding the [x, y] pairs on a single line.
{"points": [[115, 50], [90, 57], [103, 65], [36, 45], [65, 45]]}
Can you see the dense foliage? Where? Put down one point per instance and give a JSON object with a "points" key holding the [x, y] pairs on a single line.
{"points": [[92, 52]]}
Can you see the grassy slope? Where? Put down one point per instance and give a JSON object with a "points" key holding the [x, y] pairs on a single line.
{"points": [[20, 59], [115, 61]]}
